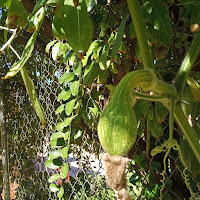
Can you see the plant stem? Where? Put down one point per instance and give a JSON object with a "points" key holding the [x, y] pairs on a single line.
{"points": [[141, 33], [14, 35], [171, 119], [188, 131], [150, 97], [187, 64]]}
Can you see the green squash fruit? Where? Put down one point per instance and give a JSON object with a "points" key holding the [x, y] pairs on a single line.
{"points": [[117, 128]]}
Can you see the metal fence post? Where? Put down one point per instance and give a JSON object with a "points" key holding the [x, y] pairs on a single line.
{"points": [[4, 145]]}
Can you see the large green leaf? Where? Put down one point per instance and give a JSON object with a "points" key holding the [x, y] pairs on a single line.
{"points": [[73, 24], [4, 3], [17, 15], [30, 88], [161, 29], [27, 50]]}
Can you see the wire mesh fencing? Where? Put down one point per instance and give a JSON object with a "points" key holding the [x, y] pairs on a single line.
{"points": [[29, 148]]}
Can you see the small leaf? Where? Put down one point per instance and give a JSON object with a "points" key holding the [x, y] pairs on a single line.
{"points": [[68, 55], [77, 69], [65, 151], [67, 121], [57, 135], [69, 78], [53, 178], [67, 134], [91, 72], [49, 45], [55, 51], [53, 187], [118, 40], [54, 154], [66, 77], [60, 109], [58, 142], [60, 126], [70, 106], [103, 59], [60, 193], [78, 134], [64, 95], [90, 51], [90, 5], [64, 170], [74, 87], [135, 178], [51, 165]]}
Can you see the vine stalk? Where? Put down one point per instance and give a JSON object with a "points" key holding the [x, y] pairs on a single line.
{"points": [[141, 33]]}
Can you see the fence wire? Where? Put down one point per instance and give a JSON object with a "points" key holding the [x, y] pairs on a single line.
{"points": [[29, 148]]}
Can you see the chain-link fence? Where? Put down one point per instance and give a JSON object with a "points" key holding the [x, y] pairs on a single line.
{"points": [[29, 148]]}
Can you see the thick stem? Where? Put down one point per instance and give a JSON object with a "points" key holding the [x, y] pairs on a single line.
{"points": [[187, 64], [141, 33], [188, 131], [4, 145]]}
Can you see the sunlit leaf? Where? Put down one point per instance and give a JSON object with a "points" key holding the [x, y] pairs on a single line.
{"points": [[60, 109], [60, 126], [30, 88], [74, 87], [55, 154], [57, 135], [27, 50], [73, 24], [65, 151], [60, 193], [55, 51], [17, 14], [53, 187], [67, 121], [64, 171], [77, 69], [64, 95], [49, 45], [70, 106], [51, 165], [58, 142], [53, 178], [78, 134]]}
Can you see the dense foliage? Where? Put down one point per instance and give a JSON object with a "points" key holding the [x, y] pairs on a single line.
{"points": [[97, 45]]}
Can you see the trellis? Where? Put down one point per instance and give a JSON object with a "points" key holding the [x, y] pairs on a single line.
{"points": [[28, 148]]}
